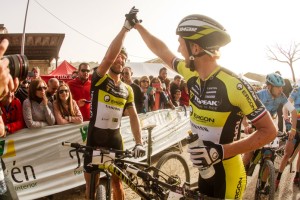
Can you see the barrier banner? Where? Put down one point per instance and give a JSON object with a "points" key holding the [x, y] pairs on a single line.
{"points": [[39, 165]]}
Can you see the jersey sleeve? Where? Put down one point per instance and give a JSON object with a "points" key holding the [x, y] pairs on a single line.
{"points": [[180, 66], [246, 99]]}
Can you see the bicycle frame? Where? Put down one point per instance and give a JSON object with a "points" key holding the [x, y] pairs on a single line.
{"points": [[113, 169], [109, 164]]}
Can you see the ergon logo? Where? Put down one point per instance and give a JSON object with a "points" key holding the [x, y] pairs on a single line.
{"points": [[191, 29], [117, 102], [203, 118], [249, 99]]}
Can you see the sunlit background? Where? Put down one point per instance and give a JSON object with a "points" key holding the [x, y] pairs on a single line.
{"points": [[91, 25]]}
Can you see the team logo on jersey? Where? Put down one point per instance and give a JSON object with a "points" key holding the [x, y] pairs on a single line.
{"points": [[106, 98], [239, 86]]}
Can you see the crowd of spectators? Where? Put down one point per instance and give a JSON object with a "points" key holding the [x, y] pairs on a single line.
{"points": [[37, 104]]}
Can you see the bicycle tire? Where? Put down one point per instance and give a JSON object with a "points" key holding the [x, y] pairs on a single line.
{"points": [[170, 166], [269, 189], [277, 162], [101, 191]]}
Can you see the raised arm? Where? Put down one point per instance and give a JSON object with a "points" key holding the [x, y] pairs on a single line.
{"points": [[157, 46], [117, 43], [112, 52]]}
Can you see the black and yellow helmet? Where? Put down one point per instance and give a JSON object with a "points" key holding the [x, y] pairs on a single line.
{"points": [[204, 31]]}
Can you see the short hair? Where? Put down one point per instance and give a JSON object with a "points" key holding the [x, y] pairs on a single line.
{"points": [[177, 77], [52, 80], [162, 69], [82, 64]]}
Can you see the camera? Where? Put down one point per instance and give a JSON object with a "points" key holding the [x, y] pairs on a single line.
{"points": [[18, 66]]}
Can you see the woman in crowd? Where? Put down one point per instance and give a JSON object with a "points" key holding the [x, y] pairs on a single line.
{"points": [[160, 96], [66, 109], [148, 93], [37, 110]]}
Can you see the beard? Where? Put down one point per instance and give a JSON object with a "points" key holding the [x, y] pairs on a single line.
{"points": [[114, 71]]}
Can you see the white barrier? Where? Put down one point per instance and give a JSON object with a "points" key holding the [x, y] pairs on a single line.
{"points": [[39, 165]]}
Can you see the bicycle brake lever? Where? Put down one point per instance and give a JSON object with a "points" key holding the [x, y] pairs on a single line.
{"points": [[78, 159], [77, 155], [70, 153]]}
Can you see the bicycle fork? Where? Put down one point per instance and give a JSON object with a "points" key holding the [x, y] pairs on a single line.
{"points": [[106, 178]]}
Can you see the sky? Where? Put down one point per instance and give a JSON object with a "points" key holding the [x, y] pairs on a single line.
{"points": [[89, 27]]}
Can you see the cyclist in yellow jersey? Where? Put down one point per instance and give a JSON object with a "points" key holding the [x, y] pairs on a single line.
{"points": [[218, 102], [110, 96]]}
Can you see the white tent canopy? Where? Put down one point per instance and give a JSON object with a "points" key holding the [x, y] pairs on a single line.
{"points": [[147, 69], [251, 81], [256, 77]]}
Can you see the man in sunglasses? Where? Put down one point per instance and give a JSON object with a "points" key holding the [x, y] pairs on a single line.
{"points": [[80, 88]]}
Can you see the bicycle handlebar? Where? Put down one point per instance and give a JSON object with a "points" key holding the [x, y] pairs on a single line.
{"points": [[88, 151]]}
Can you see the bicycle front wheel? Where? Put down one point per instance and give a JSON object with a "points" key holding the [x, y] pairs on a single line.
{"points": [[266, 174], [172, 169], [102, 191]]}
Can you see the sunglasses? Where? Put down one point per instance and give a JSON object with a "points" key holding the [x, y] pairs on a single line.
{"points": [[85, 70], [41, 88], [63, 91], [145, 81], [125, 73]]}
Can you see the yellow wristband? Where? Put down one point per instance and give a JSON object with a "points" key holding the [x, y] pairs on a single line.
{"points": [[292, 129]]}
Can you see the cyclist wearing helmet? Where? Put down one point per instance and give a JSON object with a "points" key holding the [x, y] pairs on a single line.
{"points": [[218, 102], [273, 97]]}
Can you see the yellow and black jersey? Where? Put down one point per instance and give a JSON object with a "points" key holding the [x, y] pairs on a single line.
{"points": [[219, 103], [109, 101]]}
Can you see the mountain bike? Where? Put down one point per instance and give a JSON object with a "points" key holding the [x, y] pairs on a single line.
{"points": [[162, 184], [114, 162], [264, 157]]}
